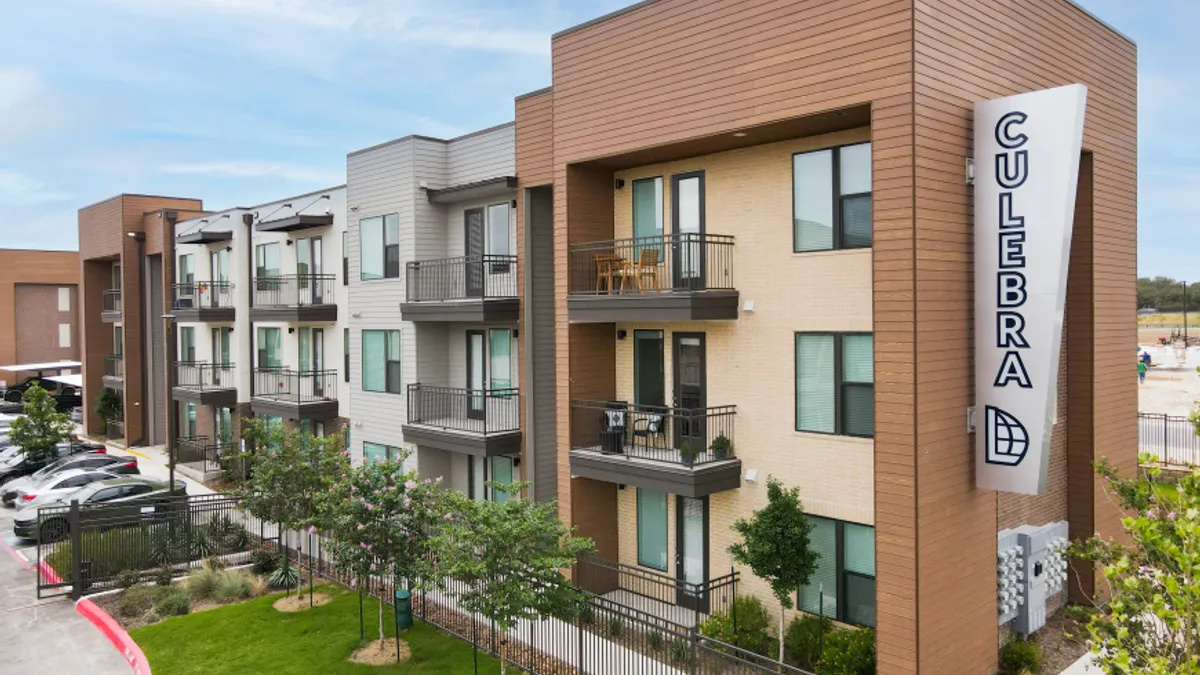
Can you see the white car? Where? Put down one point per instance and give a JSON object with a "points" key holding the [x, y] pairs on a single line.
{"points": [[56, 485]]}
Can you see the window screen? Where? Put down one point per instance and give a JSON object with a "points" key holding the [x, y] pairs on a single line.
{"points": [[858, 388], [824, 581], [815, 389]]}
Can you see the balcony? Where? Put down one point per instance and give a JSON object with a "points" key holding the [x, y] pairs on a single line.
{"points": [[110, 306], [203, 454], [672, 277], [682, 451], [295, 394], [470, 288], [469, 421], [206, 383], [204, 301], [114, 372], [655, 593], [295, 297]]}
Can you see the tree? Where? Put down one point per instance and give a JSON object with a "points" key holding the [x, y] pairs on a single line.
{"points": [[294, 476], [1151, 622], [39, 431], [508, 556], [108, 405], [382, 517], [775, 546]]}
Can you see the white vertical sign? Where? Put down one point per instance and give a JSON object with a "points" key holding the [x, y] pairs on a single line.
{"points": [[1026, 172]]}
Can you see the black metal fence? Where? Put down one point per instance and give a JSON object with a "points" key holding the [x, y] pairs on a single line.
{"points": [[203, 454], [683, 602], [1172, 439], [294, 290], [466, 277], [203, 294], [684, 436], [110, 300], [295, 386], [685, 261], [482, 411], [203, 376], [114, 365]]}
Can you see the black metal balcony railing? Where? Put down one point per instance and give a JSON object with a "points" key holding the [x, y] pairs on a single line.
{"points": [[684, 436], [295, 386], [202, 453], [205, 376], [473, 410], [660, 264], [294, 290], [204, 295], [110, 300], [602, 577], [114, 365], [468, 277]]}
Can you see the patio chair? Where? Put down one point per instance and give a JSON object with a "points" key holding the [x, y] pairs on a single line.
{"points": [[606, 265], [615, 421], [652, 426], [646, 269]]}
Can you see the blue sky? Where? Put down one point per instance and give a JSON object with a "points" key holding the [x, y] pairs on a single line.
{"points": [[243, 101]]}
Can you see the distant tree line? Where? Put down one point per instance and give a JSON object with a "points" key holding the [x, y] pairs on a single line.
{"points": [[1166, 294]]}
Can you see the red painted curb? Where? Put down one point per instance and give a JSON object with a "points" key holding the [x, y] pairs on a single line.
{"points": [[116, 635], [15, 556], [47, 573]]}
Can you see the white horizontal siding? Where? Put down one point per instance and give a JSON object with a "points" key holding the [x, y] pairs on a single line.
{"points": [[482, 156]]}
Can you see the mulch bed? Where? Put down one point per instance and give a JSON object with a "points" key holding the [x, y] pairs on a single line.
{"points": [[1061, 641]]}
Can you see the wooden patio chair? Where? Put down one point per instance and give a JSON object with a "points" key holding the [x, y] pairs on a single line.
{"points": [[606, 265], [646, 269]]}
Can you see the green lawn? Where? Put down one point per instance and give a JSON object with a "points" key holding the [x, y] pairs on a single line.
{"points": [[255, 638]]}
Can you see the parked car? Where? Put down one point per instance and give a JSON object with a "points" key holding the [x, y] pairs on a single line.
{"points": [[100, 462], [16, 392], [51, 487], [138, 492], [14, 463]]}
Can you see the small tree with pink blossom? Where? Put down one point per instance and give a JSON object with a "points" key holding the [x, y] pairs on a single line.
{"points": [[381, 520]]}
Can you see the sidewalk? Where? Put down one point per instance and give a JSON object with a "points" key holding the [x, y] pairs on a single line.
{"points": [[152, 461]]}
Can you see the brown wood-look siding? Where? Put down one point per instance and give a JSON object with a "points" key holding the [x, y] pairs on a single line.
{"points": [[969, 51], [17, 266], [535, 139]]}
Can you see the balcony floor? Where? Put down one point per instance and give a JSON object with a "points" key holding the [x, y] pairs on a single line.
{"points": [[441, 433], [647, 469]]}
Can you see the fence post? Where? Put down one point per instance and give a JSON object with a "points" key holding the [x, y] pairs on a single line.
{"points": [[579, 660], [76, 550], [695, 639], [1166, 442]]}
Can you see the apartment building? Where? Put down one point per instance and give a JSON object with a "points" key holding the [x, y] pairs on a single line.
{"points": [[760, 221], [433, 270], [260, 301], [126, 270], [39, 303]]}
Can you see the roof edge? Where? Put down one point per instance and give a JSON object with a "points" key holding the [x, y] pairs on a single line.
{"points": [[1091, 15], [601, 19], [535, 92]]}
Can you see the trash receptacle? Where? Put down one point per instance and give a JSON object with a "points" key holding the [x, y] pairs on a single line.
{"points": [[403, 608]]}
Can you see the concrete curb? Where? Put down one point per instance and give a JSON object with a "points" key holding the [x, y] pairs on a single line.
{"points": [[116, 635]]}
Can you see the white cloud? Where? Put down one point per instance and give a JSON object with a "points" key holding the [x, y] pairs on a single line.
{"points": [[18, 189], [241, 169]]}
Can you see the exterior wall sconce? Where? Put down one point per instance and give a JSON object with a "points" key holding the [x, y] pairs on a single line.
{"points": [[618, 183], [621, 334]]}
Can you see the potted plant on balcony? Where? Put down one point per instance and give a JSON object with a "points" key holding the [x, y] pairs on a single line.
{"points": [[722, 447], [688, 452]]}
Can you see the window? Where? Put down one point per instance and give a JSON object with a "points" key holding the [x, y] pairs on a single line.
{"points": [[187, 344], [497, 236], [345, 259], [64, 299], [843, 585], [116, 277], [346, 354], [379, 247], [652, 529], [500, 349], [270, 348], [831, 193], [835, 383], [187, 270], [381, 361], [220, 266], [375, 452], [64, 335], [503, 473], [312, 428], [188, 421], [266, 260], [647, 214], [118, 340], [220, 345]]}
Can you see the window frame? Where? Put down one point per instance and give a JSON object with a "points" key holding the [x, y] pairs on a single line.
{"points": [[387, 361], [363, 248], [840, 571], [390, 452], [835, 167], [839, 384], [637, 517]]}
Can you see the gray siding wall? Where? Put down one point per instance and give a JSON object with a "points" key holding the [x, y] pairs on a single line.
{"points": [[482, 156], [380, 182], [541, 429]]}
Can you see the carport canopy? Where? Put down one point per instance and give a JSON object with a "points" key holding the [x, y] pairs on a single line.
{"points": [[75, 380], [51, 365]]}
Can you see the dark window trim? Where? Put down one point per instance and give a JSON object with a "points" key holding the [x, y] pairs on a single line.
{"points": [[637, 366], [637, 517], [386, 361], [383, 245], [346, 354], [839, 543], [497, 267], [835, 152], [633, 202], [839, 384], [388, 450]]}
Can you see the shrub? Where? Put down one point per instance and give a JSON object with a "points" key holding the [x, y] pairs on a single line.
{"points": [[654, 639], [136, 601], [127, 579], [680, 651], [175, 604], [265, 560], [803, 640], [286, 576], [848, 652], [163, 575], [614, 626], [1019, 656], [752, 625], [258, 586], [202, 584], [232, 586]]}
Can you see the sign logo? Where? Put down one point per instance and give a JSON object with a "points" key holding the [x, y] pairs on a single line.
{"points": [[1026, 172], [1007, 440]]}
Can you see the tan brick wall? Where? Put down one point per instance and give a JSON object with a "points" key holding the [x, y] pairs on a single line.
{"points": [[751, 361]]}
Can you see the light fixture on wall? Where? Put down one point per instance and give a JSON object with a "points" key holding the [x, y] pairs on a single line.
{"points": [[621, 333], [289, 242], [291, 330], [228, 249], [739, 134], [618, 183]]}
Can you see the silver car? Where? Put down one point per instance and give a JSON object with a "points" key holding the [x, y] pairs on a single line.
{"points": [[136, 491], [51, 487]]}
